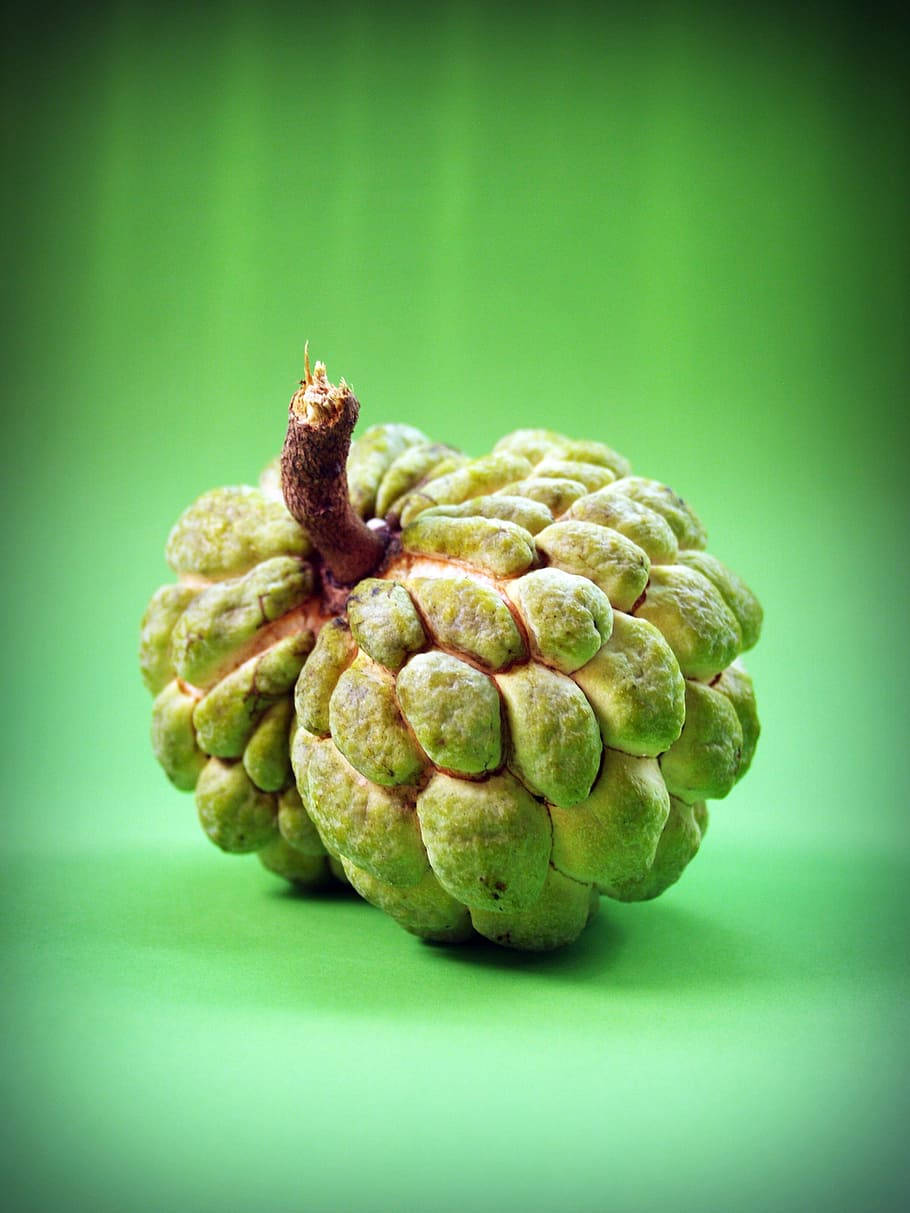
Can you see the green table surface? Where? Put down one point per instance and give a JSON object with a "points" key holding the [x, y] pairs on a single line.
{"points": [[677, 229], [190, 1035]]}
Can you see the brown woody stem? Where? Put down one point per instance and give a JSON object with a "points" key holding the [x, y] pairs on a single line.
{"points": [[321, 419]]}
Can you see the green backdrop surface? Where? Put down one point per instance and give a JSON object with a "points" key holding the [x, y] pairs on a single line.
{"points": [[680, 232]]}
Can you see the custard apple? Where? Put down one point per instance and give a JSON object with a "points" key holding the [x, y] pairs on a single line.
{"points": [[519, 677]]}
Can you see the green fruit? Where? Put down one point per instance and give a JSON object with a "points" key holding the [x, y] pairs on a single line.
{"points": [[521, 701]]}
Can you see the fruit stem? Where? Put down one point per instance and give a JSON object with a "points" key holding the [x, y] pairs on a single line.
{"points": [[321, 419]]}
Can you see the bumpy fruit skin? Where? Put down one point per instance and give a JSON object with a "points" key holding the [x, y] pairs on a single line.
{"points": [[221, 651], [528, 705]]}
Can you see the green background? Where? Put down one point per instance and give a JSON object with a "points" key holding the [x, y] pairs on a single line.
{"points": [[681, 232]]}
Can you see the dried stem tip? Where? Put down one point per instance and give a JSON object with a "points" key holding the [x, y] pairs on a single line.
{"points": [[321, 419]]}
